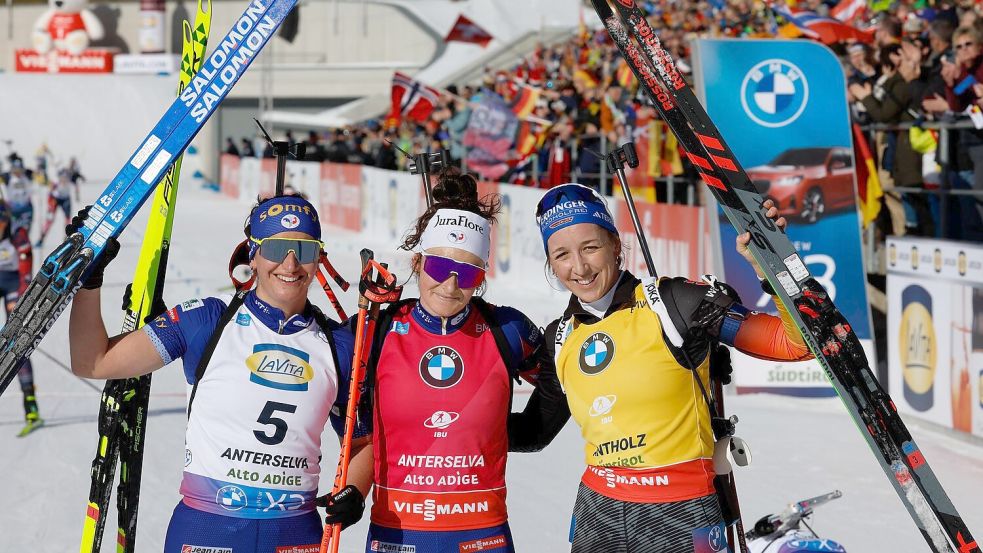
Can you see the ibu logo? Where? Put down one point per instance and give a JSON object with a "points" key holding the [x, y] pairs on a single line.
{"points": [[441, 367], [596, 353], [774, 93], [281, 367]]}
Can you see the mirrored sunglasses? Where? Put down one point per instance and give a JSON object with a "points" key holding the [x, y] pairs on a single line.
{"points": [[277, 249], [441, 268]]}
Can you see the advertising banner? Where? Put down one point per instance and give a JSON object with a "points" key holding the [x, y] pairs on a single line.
{"points": [[935, 331], [341, 195], [489, 136], [27, 60], [229, 175], [781, 106]]}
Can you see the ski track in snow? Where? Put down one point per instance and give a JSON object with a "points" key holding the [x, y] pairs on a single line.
{"points": [[801, 447]]}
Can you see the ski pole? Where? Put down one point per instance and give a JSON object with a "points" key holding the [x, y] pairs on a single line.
{"points": [[372, 294], [331, 296], [617, 159]]}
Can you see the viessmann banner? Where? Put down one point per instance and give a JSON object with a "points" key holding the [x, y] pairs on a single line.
{"points": [[781, 105]]}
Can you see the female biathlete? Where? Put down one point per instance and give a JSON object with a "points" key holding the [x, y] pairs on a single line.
{"points": [[16, 266], [441, 373], [264, 369], [627, 355]]}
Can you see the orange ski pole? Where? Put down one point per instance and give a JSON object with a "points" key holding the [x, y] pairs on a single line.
{"points": [[371, 295]]}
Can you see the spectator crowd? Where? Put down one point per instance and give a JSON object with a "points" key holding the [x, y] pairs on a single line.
{"points": [[922, 63]]}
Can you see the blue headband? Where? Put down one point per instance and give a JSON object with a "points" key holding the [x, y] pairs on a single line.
{"points": [[283, 214], [571, 204]]}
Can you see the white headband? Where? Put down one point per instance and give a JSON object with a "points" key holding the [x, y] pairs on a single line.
{"points": [[464, 230]]}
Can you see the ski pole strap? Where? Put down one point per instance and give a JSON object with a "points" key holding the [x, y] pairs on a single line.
{"points": [[333, 273], [206, 355], [381, 290]]}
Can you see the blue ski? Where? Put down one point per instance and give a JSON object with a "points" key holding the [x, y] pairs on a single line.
{"points": [[61, 273]]}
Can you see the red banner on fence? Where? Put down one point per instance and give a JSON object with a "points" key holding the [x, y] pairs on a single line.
{"points": [[677, 236], [341, 195], [229, 175]]}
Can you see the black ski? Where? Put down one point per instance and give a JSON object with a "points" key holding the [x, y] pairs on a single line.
{"points": [[825, 330]]}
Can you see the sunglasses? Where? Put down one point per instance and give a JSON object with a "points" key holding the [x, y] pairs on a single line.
{"points": [[276, 249], [565, 193], [441, 268], [965, 45]]}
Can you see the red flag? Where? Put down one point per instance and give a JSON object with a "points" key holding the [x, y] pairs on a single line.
{"points": [[411, 99], [846, 10], [868, 184], [465, 30]]}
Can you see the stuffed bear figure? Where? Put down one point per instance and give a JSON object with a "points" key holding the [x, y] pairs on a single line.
{"points": [[67, 25]]}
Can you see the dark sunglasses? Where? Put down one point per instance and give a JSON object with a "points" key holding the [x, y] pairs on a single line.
{"points": [[565, 193], [441, 268], [965, 45], [276, 249]]}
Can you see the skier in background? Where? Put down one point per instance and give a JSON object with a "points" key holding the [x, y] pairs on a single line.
{"points": [[629, 360], [18, 192], [59, 196], [16, 266], [41, 162]]}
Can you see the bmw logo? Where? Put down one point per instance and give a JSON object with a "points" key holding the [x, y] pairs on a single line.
{"points": [[774, 93], [596, 353], [441, 367], [231, 498]]}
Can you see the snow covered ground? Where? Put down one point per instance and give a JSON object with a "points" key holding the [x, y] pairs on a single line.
{"points": [[801, 447]]}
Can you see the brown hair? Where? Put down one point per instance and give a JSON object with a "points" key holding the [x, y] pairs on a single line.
{"points": [[454, 190]]}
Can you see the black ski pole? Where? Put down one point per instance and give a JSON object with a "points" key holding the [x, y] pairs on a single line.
{"points": [[617, 159], [281, 150]]}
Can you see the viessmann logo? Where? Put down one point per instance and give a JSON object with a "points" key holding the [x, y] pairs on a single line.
{"points": [[281, 367]]}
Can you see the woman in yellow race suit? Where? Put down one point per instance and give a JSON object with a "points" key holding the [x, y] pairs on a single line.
{"points": [[629, 358]]}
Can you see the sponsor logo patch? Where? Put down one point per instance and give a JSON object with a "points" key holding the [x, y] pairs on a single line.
{"points": [[290, 221], [172, 314], [602, 405], [231, 498], [312, 548], [596, 353], [281, 367], [386, 547], [441, 367], [243, 319], [483, 544], [400, 328], [192, 304], [202, 549]]}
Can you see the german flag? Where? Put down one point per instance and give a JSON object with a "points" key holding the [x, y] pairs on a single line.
{"points": [[524, 101], [868, 185], [625, 77], [530, 138]]}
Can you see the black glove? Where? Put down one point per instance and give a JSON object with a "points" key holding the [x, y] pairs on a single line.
{"points": [[720, 365], [109, 252], [77, 221], [94, 280], [344, 507]]}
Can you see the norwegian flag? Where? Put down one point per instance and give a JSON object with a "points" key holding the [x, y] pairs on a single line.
{"points": [[824, 29], [465, 30], [846, 10], [411, 99]]}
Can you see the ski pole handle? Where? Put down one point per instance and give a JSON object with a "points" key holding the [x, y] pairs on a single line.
{"points": [[617, 160]]}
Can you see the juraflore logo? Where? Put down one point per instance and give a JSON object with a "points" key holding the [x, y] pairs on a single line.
{"points": [[229, 61], [917, 347]]}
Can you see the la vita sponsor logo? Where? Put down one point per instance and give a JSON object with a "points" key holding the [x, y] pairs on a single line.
{"points": [[281, 367]]}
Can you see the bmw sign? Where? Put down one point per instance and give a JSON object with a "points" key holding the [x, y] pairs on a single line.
{"points": [[774, 93]]}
